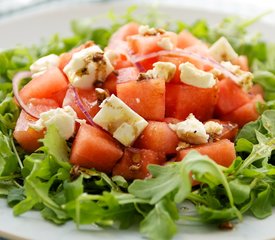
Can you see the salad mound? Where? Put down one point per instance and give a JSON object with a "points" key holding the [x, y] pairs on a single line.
{"points": [[150, 98], [95, 131]]}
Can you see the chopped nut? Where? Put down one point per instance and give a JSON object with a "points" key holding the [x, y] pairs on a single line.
{"points": [[98, 56], [101, 95], [143, 76], [226, 226], [74, 172]]}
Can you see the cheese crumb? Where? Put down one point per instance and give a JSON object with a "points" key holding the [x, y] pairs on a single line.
{"points": [[62, 118], [41, 65], [193, 76], [163, 70], [165, 43], [182, 146], [244, 78], [213, 128], [120, 120], [145, 30], [191, 130], [221, 50], [88, 66]]}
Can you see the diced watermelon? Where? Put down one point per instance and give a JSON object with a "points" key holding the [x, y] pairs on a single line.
{"points": [[182, 99], [47, 85], [119, 45], [244, 114], [146, 97], [26, 136], [94, 148], [124, 32], [230, 97], [187, 39], [110, 83], [142, 45], [257, 89], [134, 162], [158, 136], [242, 61], [88, 98], [222, 152], [127, 74]]}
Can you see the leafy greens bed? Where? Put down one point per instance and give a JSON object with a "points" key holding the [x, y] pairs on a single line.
{"points": [[46, 182]]}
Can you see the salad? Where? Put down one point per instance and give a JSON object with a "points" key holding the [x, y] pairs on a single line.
{"points": [[125, 125]]}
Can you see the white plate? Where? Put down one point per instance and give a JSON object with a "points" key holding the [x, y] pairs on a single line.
{"points": [[29, 27]]}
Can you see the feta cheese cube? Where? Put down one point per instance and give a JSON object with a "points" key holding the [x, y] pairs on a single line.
{"points": [[43, 64], [87, 67], [221, 50], [191, 130], [193, 76], [244, 78], [213, 128], [120, 120], [163, 70], [62, 118], [165, 43]]}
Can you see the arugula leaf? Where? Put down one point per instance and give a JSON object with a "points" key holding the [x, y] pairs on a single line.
{"points": [[240, 191], [168, 179], [268, 122], [160, 222], [56, 146], [243, 145], [100, 209], [74, 189], [262, 206], [8, 159], [37, 191]]}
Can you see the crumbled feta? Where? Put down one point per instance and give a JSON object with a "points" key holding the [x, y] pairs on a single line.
{"points": [[120, 120], [43, 64], [191, 130], [145, 30], [62, 118], [213, 128], [182, 146], [244, 78], [165, 43], [163, 70], [221, 50], [191, 75], [88, 66]]}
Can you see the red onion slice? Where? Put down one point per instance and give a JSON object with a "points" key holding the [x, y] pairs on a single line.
{"points": [[184, 53], [81, 106], [17, 79], [136, 64]]}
